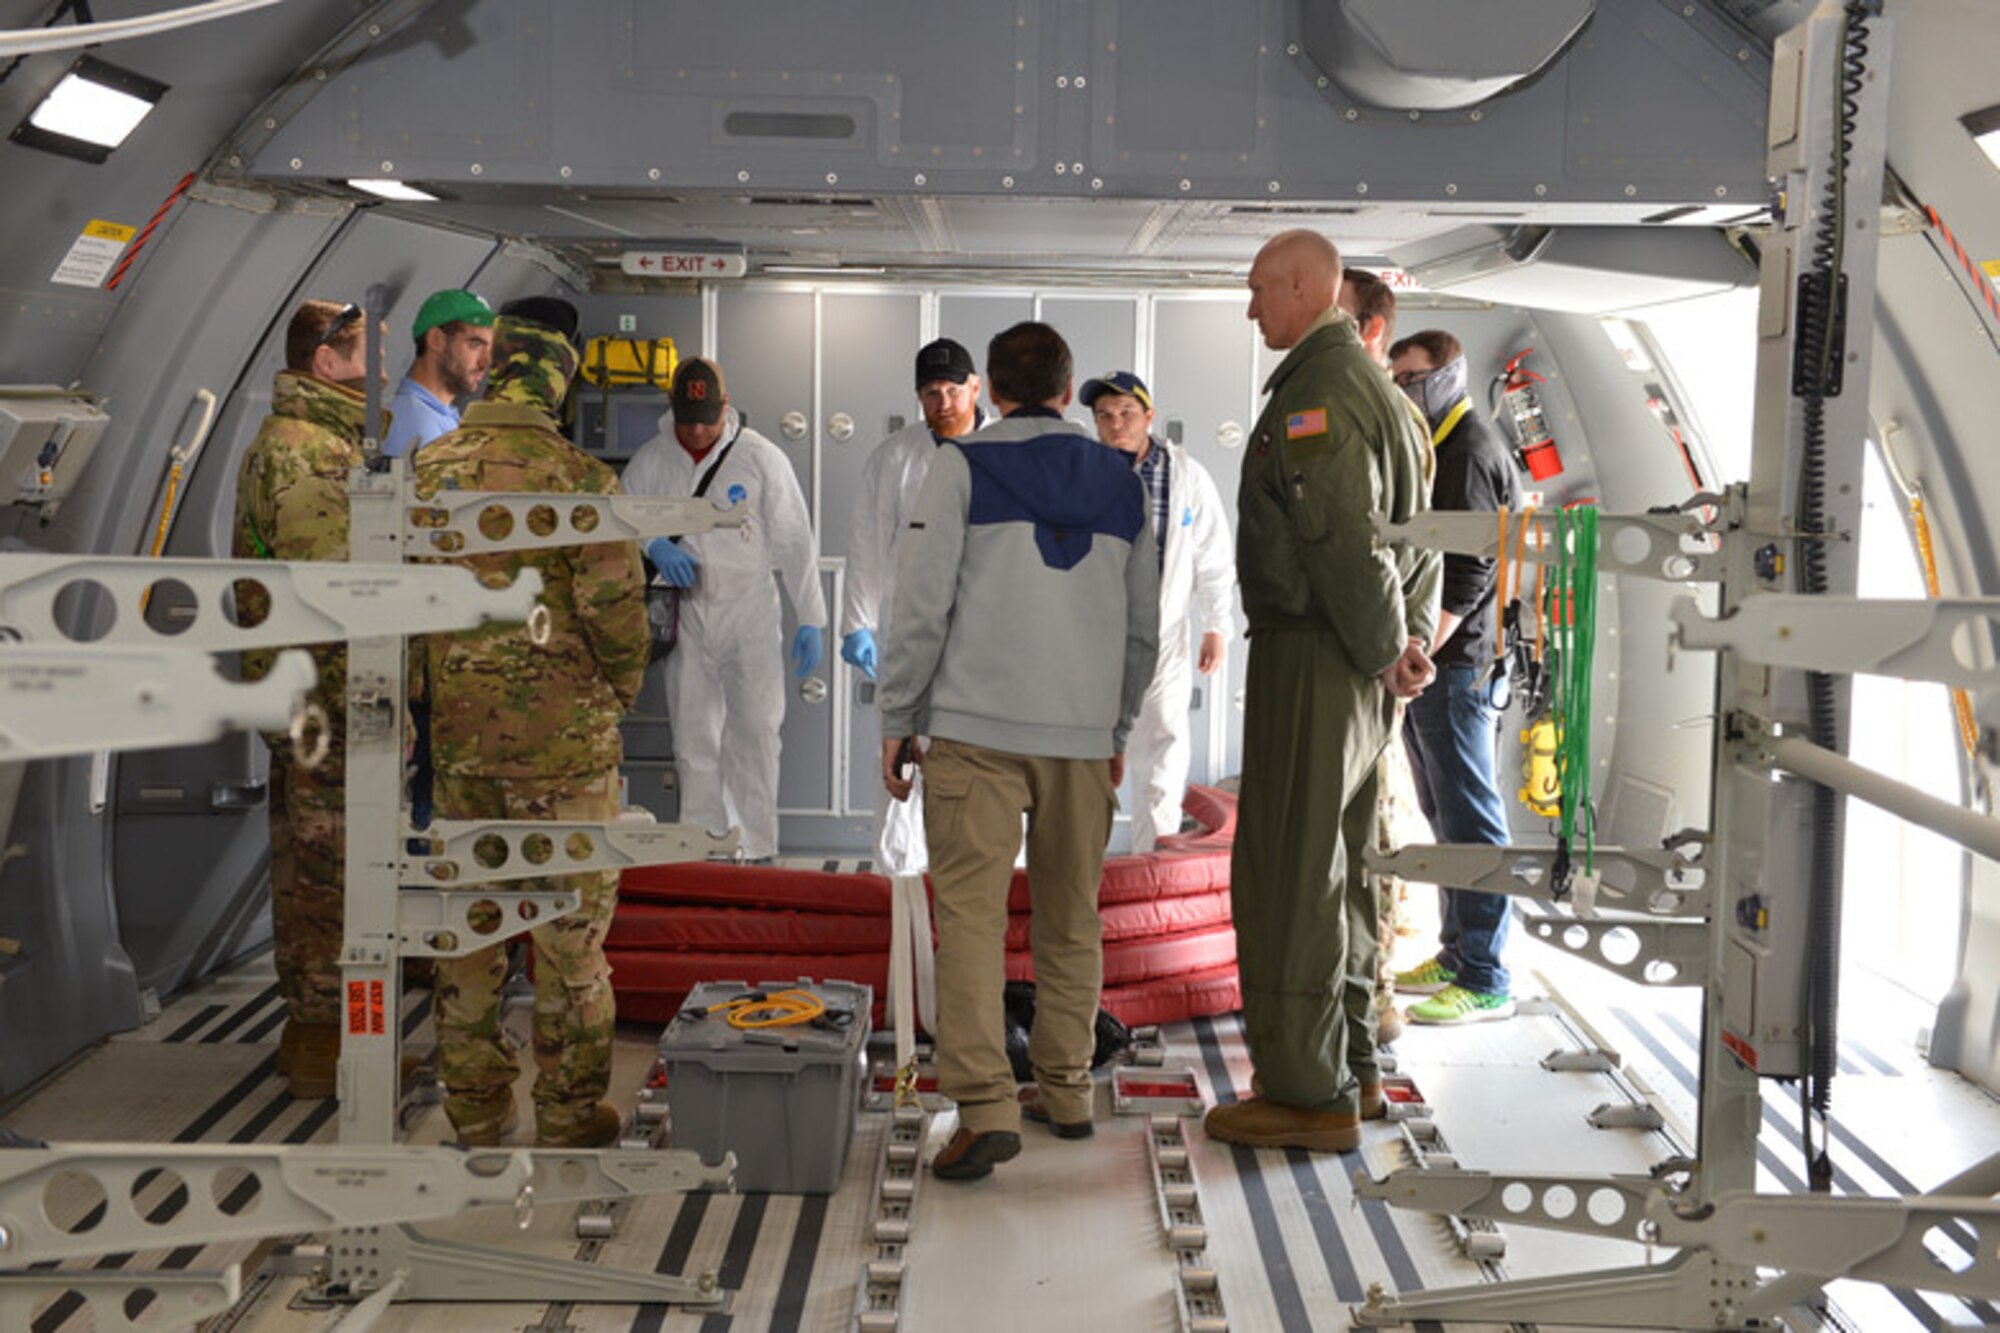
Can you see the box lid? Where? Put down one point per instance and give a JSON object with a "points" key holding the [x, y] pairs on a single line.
{"points": [[702, 1029]]}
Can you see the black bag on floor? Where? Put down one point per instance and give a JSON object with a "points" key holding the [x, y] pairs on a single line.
{"points": [[1019, 1003]]}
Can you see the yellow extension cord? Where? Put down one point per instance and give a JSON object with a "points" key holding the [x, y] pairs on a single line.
{"points": [[777, 1009]]}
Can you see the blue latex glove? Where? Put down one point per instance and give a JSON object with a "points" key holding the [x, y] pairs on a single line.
{"points": [[858, 650], [676, 563], [807, 649]]}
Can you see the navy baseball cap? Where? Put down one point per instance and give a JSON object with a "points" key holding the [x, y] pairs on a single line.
{"points": [[1118, 381]]}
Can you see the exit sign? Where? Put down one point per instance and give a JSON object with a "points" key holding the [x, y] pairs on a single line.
{"points": [[681, 264]]}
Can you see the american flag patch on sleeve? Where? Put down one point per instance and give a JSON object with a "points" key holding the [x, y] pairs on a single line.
{"points": [[1301, 424]]}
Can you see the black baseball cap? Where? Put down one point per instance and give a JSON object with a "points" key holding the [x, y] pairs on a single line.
{"points": [[944, 360], [551, 312], [697, 392]]}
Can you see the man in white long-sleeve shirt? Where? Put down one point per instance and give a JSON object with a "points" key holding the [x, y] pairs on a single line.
{"points": [[725, 675], [1197, 565], [891, 479]]}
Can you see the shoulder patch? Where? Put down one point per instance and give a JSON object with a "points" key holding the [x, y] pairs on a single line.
{"points": [[1299, 425]]}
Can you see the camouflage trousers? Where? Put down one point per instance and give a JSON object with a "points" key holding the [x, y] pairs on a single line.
{"points": [[574, 1009], [1393, 808], [308, 886]]}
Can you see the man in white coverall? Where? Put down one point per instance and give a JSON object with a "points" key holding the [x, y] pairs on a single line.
{"points": [[725, 674], [891, 480], [1197, 563]]}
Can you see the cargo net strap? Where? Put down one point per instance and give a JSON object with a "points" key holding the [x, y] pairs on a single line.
{"points": [[1571, 616]]}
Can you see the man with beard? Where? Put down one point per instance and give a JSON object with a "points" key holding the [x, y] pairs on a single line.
{"points": [[454, 333]]}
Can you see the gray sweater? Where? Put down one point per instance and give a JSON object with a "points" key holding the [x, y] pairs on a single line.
{"points": [[1023, 621]]}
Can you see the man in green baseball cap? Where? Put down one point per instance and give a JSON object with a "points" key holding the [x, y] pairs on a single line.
{"points": [[454, 335]]}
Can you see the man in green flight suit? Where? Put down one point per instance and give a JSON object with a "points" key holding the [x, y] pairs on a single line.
{"points": [[521, 730], [1337, 624], [291, 504]]}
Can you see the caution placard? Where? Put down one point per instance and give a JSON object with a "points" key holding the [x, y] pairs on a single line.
{"points": [[90, 259]]}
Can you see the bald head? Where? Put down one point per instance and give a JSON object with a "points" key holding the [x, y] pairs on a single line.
{"points": [[1294, 280]]}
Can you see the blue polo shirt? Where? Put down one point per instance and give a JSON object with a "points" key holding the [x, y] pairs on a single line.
{"points": [[420, 416]]}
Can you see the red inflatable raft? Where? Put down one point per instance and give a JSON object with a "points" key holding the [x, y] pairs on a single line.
{"points": [[1169, 949]]}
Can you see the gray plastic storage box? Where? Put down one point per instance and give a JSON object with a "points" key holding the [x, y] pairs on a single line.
{"points": [[781, 1099]]}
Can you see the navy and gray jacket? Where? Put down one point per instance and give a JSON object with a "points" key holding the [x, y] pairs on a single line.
{"points": [[1023, 622]]}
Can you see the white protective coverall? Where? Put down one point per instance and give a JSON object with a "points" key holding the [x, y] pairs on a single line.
{"points": [[1200, 567], [891, 481], [725, 676]]}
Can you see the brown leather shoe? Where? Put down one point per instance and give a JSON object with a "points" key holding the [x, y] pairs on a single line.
{"points": [[1032, 1108], [970, 1156], [309, 1057], [1263, 1124], [598, 1129]]}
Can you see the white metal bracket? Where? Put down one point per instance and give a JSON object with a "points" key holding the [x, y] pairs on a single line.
{"points": [[478, 851], [125, 1300], [1666, 881], [1676, 546], [461, 523], [64, 701], [188, 603]]}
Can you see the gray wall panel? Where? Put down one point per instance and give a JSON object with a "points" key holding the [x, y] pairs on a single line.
{"points": [[1201, 381]]}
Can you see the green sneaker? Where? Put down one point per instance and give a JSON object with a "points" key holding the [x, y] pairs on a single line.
{"points": [[1456, 1004], [1427, 978]]}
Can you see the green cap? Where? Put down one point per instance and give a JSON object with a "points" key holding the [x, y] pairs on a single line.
{"points": [[451, 306]]}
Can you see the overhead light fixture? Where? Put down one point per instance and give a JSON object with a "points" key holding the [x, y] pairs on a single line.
{"points": [[1984, 127], [388, 189], [90, 111]]}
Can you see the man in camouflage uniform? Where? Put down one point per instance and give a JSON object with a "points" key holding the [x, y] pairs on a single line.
{"points": [[526, 731], [291, 504], [1372, 302]]}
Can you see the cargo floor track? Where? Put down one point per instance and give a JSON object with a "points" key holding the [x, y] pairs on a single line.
{"points": [[1067, 1238]]}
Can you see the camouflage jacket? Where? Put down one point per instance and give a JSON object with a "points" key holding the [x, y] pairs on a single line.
{"points": [[500, 705], [291, 504]]}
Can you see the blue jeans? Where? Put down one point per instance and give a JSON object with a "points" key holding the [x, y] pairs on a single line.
{"points": [[1449, 731]]}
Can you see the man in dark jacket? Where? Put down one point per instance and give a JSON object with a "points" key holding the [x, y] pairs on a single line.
{"points": [[1451, 729]]}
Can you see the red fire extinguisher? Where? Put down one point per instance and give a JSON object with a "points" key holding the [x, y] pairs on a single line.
{"points": [[1521, 409]]}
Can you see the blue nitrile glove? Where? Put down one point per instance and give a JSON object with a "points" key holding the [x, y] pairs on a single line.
{"points": [[858, 650], [675, 562], [807, 649]]}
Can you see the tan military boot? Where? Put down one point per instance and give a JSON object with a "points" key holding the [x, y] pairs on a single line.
{"points": [[1388, 1025], [597, 1128], [309, 1057], [1374, 1106], [482, 1122], [1263, 1124]]}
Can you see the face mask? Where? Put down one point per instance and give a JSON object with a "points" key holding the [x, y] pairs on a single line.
{"points": [[1438, 392]]}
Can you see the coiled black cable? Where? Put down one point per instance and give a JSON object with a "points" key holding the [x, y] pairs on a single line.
{"points": [[1819, 329]]}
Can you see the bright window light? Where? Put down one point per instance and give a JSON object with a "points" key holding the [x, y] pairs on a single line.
{"points": [[1984, 127], [90, 111], [389, 189]]}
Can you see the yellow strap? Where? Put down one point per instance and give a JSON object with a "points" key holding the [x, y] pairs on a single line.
{"points": [[1961, 702], [1451, 419]]}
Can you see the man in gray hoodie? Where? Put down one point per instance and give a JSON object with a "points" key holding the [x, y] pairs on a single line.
{"points": [[1027, 628]]}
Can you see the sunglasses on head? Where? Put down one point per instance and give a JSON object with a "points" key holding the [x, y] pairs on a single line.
{"points": [[348, 314]]}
